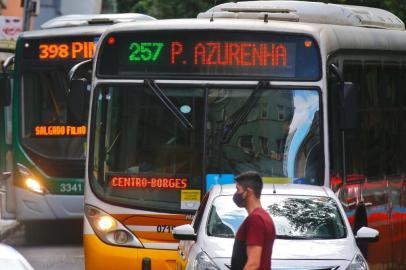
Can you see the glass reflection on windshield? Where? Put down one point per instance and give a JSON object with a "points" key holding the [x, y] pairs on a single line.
{"points": [[295, 217], [273, 131]]}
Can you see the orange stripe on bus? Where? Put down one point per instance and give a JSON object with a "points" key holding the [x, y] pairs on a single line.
{"points": [[150, 237], [126, 217]]}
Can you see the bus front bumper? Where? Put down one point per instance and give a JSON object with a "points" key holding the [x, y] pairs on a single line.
{"points": [[32, 206], [100, 256]]}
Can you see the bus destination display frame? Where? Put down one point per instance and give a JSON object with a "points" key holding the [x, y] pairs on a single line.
{"points": [[217, 54]]}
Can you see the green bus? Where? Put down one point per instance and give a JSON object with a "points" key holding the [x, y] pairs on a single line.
{"points": [[43, 137]]}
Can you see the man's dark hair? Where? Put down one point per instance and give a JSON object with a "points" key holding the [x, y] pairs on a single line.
{"points": [[251, 180]]}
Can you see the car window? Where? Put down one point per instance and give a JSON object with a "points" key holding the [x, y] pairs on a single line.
{"points": [[295, 217], [199, 213]]}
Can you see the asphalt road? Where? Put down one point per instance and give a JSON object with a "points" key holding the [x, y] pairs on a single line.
{"points": [[53, 246]]}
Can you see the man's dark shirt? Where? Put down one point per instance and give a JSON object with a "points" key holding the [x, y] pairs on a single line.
{"points": [[256, 230]]}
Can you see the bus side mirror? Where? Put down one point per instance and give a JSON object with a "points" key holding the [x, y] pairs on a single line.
{"points": [[349, 106], [348, 93], [77, 100], [5, 81], [4, 176], [79, 94], [5, 91]]}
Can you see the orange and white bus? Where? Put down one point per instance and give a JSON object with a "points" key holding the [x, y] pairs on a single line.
{"points": [[302, 92]]}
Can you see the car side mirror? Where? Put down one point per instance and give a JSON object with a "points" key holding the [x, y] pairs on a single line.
{"points": [[367, 235], [184, 232]]}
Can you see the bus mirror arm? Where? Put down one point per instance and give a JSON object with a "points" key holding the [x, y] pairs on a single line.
{"points": [[333, 69], [7, 63], [78, 70]]}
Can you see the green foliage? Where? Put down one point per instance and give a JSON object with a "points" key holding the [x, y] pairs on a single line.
{"points": [[163, 9]]}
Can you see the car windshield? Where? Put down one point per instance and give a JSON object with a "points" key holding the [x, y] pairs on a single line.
{"points": [[150, 132], [295, 217]]}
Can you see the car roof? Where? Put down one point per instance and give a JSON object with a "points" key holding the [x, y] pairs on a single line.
{"points": [[286, 189], [8, 252]]}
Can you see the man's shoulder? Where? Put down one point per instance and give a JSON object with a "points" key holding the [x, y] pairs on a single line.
{"points": [[259, 213]]}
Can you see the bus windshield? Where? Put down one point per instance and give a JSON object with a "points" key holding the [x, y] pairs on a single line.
{"points": [[187, 133], [49, 128]]}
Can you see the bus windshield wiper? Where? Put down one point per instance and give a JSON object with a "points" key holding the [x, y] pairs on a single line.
{"points": [[238, 117], [168, 104]]}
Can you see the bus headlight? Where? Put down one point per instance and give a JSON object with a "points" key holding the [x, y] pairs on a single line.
{"points": [[110, 230], [29, 180], [34, 185], [106, 223]]}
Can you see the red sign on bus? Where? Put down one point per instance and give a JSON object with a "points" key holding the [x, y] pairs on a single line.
{"points": [[127, 182]]}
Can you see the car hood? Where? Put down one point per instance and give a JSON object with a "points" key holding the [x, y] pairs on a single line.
{"points": [[339, 249]]}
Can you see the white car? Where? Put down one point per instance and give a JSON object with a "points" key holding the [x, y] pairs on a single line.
{"points": [[11, 259], [312, 230]]}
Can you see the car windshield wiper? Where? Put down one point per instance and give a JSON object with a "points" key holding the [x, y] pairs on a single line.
{"points": [[223, 235], [168, 104], [237, 118], [284, 236]]}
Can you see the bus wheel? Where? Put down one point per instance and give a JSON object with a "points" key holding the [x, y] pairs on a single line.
{"points": [[360, 221]]}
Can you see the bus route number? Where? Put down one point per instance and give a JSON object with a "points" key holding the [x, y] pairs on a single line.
{"points": [[165, 228], [70, 188], [145, 51]]}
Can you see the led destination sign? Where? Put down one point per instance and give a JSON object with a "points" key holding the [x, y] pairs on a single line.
{"points": [[57, 131], [142, 182], [214, 53], [60, 49]]}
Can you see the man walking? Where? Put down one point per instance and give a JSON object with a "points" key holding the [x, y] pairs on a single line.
{"points": [[256, 235]]}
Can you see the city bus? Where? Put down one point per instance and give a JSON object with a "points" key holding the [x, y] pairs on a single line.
{"points": [[45, 137], [301, 92]]}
